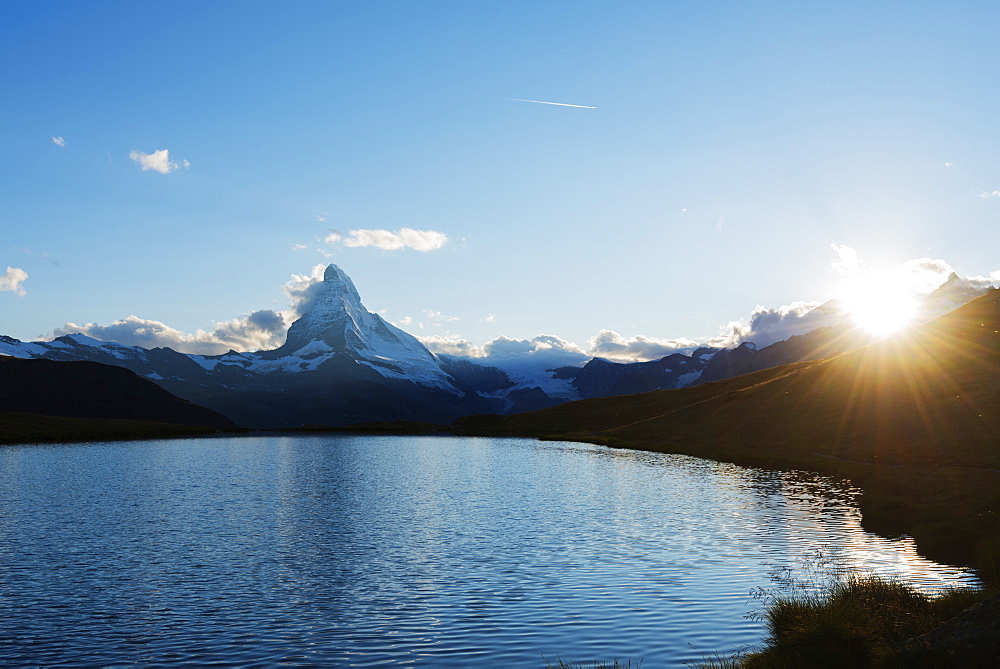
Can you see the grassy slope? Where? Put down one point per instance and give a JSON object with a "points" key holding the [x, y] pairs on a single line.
{"points": [[915, 421]]}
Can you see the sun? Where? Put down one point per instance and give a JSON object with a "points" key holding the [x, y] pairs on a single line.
{"points": [[878, 301]]}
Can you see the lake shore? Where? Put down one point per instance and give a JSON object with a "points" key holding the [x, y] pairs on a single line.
{"points": [[946, 509]]}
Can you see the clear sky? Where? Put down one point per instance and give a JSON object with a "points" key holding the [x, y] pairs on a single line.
{"points": [[180, 161]]}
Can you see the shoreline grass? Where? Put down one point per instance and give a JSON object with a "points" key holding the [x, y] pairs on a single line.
{"points": [[864, 621], [598, 664]]}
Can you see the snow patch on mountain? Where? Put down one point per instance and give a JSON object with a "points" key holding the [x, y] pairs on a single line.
{"points": [[19, 349], [527, 373], [685, 380]]}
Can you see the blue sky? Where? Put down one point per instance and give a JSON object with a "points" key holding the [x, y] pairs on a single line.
{"points": [[731, 145]]}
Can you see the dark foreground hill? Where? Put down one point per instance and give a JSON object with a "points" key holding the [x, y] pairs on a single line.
{"points": [[46, 400], [914, 420]]}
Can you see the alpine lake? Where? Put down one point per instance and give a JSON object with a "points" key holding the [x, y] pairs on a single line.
{"points": [[351, 550]]}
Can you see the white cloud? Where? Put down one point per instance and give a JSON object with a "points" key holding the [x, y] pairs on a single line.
{"points": [[847, 260], [298, 247], [502, 346], [134, 331], [611, 345], [550, 349], [438, 316], [922, 275], [418, 240], [455, 346], [430, 319], [260, 330], [528, 358], [988, 194], [301, 291], [158, 161], [12, 279], [59, 141], [525, 361], [768, 325]]}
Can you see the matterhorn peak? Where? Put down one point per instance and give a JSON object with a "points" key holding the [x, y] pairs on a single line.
{"points": [[336, 280], [337, 323], [332, 313]]}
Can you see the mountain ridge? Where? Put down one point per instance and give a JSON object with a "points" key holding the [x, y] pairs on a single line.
{"points": [[341, 363]]}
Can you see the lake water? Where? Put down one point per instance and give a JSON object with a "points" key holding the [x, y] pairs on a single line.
{"points": [[435, 551]]}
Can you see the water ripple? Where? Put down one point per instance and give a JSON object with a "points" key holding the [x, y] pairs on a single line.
{"points": [[367, 551]]}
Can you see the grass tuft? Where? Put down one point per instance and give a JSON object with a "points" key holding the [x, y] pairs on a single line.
{"points": [[613, 664], [857, 622]]}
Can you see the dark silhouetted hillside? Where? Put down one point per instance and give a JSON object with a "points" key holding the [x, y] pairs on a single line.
{"points": [[96, 391]]}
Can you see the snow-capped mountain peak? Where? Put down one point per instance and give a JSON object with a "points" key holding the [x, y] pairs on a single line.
{"points": [[337, 318]]}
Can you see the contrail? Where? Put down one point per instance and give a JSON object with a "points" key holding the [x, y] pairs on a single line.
{"points": [[542, 102]]}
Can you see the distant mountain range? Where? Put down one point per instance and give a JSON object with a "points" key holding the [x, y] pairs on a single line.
{"points": [[342, 364]]}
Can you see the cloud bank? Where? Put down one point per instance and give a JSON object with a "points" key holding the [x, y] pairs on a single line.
{"points": [[157, 161], [552, 351], [611, 345], [257, 330], [933, 280], [550, 348], [12, 279]]}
